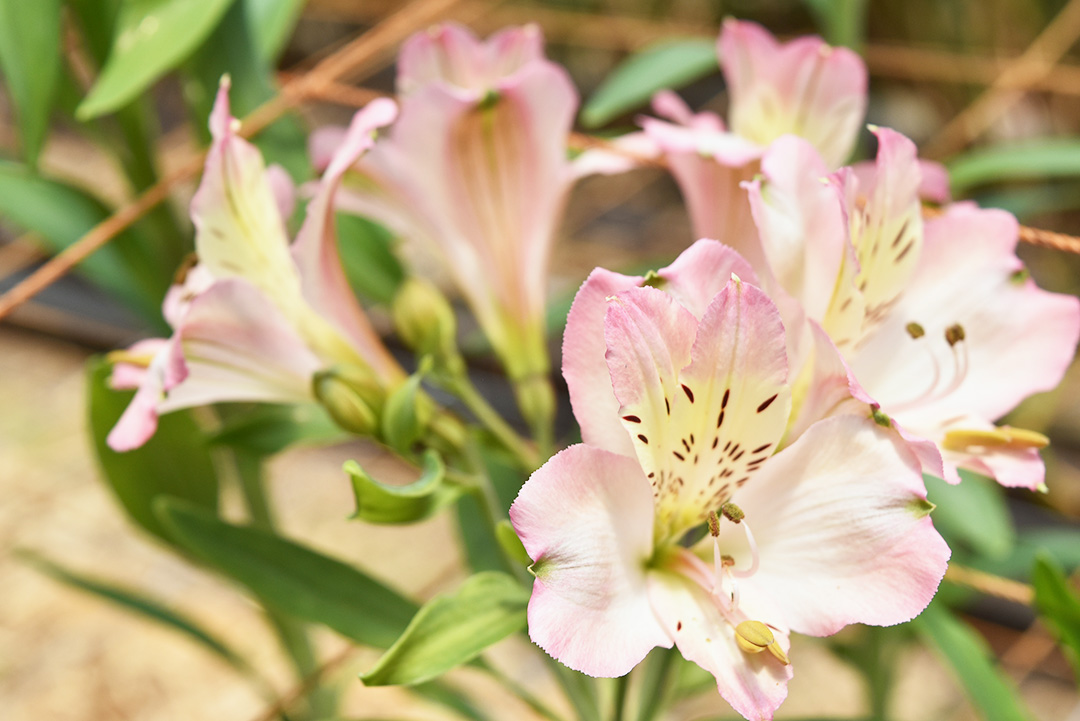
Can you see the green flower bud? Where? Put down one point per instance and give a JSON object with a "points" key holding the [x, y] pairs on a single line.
{"points": [[345, 404], [425, 321]]}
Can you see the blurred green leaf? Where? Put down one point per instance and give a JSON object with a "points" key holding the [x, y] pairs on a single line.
{"points": [[290, 577], [511, 544], [448, 697], [1029, 201], [267, 428], [972, 513], [272, 22], [1058, 603], [151, 38], [406, 412], [61, 214], [367, 253], [175, 462], [30, 58], [1046, 158], [231, 50], [506, 479], [966, 652], [380, 503], [452, 629], [1063, 544], [670, 64], [138, 603], [842, 22]]}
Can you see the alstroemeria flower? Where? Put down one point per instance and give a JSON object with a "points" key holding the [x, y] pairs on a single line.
{"points": [[804, 87], [831, 530], [936, 317], [255, 319], [475, 170]]}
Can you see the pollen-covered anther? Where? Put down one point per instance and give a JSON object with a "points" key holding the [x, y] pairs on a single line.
{"points": [[727, 561], [915, 330], [714, 524], [732, 512], [755, 637], [1005, 437], [954, 334]]}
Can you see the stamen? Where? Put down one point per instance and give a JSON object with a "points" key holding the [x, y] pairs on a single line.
{"points": [[755, 559], [954, 337]]}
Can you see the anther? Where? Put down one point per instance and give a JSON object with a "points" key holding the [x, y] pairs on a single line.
{"points": [[714, 524], [732, 512], [954, 334], [755, 637], [915, 330]]}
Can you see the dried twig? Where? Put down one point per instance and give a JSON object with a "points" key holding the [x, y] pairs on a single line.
{"points": [[990, 584], [1032, 66]]}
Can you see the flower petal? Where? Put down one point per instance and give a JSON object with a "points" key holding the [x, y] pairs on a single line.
{"points": [[451, 55], [803, 87], [754, 684], [585, 518], [840, 519], [584, 367], [701, 271]]}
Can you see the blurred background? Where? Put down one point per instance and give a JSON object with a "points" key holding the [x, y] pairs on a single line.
{"points": [[991, 88]]}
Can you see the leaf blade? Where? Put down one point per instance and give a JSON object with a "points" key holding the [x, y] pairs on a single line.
{"points": [[30, 57]]}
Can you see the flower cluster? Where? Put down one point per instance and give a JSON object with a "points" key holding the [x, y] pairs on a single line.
{"points": [[756, 417]]}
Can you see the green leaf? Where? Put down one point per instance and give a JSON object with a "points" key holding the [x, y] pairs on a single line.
{"points": [[670, 64], [290, 577], [511, 544], [1058, 603], [380, 503], [443, 694], [272, 23], [138, 603], [367, 253], [842, 22], [973, 514], [1061, 543], [966, 652], [453, 629], [175, 462], [1032, 160], [30, 58], [61, 214], [151, 38], [267, 428], [231, 50]]}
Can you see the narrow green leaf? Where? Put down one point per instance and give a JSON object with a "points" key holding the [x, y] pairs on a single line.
{"points": [[138, 603], [380, 503], [367, 253], [1061, 543], [842, 22], [973, 514], [61, 214], [670, 64], [445, 695], [1032, 160], [175, 462], [266, 428], [1058, 603], [272, 23], [151, 38], [970, 659], [290, 577], [231, 50], [511, 544], [453, 629], [30, 58]]}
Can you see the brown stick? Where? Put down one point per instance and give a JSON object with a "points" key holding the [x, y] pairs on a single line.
{"points": [[359, 54], [990, 584]]}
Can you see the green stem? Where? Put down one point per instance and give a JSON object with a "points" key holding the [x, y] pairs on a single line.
{"points": [[622, 683], [464, 389], [521, 692], [579, 689], [661, 672], [292, 633]]}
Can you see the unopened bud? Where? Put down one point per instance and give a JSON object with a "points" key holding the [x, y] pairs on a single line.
{"points": [[345, 404], [424, 319]]}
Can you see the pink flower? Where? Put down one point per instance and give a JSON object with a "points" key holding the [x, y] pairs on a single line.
{"points": [[803, 87], [255, 319], [936, 318], [475, 170], [695, 404]]}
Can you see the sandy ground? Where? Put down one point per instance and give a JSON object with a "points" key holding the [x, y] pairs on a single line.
{"points": [[66, 656]]}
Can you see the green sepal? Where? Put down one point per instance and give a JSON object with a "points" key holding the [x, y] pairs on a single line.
{"points": [[407, 412], [381, 503], [511, 544]]}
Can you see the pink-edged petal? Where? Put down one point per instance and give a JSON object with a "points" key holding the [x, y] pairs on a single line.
{"points": [[840, 519], [315, 251], [323, 143], [451, 55], [284, 189], [802, 87], [1018, 339], [649, 337], [624, 153], [237, 346], [139, 421], [701, 271], [585, 518], [239, 230], [935, 182], [584, 367], [754, 684], [130, 375], [728, 411], [1013, 467], [801, 223], [825, 386]]}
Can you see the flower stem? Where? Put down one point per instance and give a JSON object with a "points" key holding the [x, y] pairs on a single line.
{"points": [[658, 686], [521, 692], [464, 389]]}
